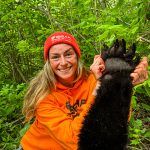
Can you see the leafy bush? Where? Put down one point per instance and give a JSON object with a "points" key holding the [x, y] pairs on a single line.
{"points": [[139, 132], [11, 117]]}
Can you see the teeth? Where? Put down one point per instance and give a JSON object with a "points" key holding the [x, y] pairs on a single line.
{"points": [[64, 70]]}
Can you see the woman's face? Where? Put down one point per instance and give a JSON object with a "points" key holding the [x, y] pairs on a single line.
{"points": [[64, 63]]}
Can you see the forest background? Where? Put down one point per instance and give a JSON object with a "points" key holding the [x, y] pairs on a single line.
{"points": [[25, 24]]}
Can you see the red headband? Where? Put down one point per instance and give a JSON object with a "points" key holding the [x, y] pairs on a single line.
{"points": [[60, 37]]}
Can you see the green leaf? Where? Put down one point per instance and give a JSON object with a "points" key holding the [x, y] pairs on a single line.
{"points": [[147, 134], [24, 129], [145, 106], [134, 30], [147, 88], [138, 123], [103, 36], [22, 46], [134, 101], [135, 142]]}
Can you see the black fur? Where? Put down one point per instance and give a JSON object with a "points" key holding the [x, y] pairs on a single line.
{"points": [[106, 125]]}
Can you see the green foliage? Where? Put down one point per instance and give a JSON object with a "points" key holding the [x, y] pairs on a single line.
{"points": [[25, 26], [139, 132], [139, 125], [10, 116]]}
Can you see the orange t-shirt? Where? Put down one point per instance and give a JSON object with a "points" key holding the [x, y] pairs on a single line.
{"points": [[59, 117]]}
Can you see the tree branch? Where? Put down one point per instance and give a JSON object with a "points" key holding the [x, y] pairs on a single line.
{"points": [[143, 39]]}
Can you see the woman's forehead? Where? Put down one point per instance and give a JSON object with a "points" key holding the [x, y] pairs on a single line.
{"points": [[60, 48]]}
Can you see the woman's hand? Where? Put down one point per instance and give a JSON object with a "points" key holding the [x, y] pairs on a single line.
{"points": [[98, 66], [140, 74]]}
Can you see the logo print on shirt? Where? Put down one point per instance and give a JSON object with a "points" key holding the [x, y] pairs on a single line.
{"points": [[74, 108]]}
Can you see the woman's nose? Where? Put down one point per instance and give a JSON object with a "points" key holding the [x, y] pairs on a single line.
{"points": [[63, 60]]}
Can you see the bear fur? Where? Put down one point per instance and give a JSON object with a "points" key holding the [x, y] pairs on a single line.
{"points": [[106, 124]]}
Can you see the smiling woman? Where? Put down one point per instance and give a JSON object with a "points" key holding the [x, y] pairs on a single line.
{"points": [[63, 60], [60, 95]]}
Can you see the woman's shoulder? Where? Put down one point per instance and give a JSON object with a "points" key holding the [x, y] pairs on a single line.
{"points": [[91, 77]]}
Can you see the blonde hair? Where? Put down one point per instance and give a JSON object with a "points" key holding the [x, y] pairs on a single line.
{"points": [[42, 85]]}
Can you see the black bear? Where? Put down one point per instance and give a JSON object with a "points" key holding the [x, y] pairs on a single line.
{"points": [[106, 124]]}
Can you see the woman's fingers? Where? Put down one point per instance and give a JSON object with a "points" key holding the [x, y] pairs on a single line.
{"points": [[140, 74]]}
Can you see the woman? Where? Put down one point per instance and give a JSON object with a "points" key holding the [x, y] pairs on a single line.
{"points": [[61, 94]]}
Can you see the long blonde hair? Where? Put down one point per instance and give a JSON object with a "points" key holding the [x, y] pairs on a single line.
{"points": [[42, 85]]}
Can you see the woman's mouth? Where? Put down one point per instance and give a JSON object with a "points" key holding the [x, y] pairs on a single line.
{"points": [[65, 69]]}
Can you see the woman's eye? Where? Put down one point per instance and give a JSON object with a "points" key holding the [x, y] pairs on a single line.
{"points": [[55, 57], [68, 54]]}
